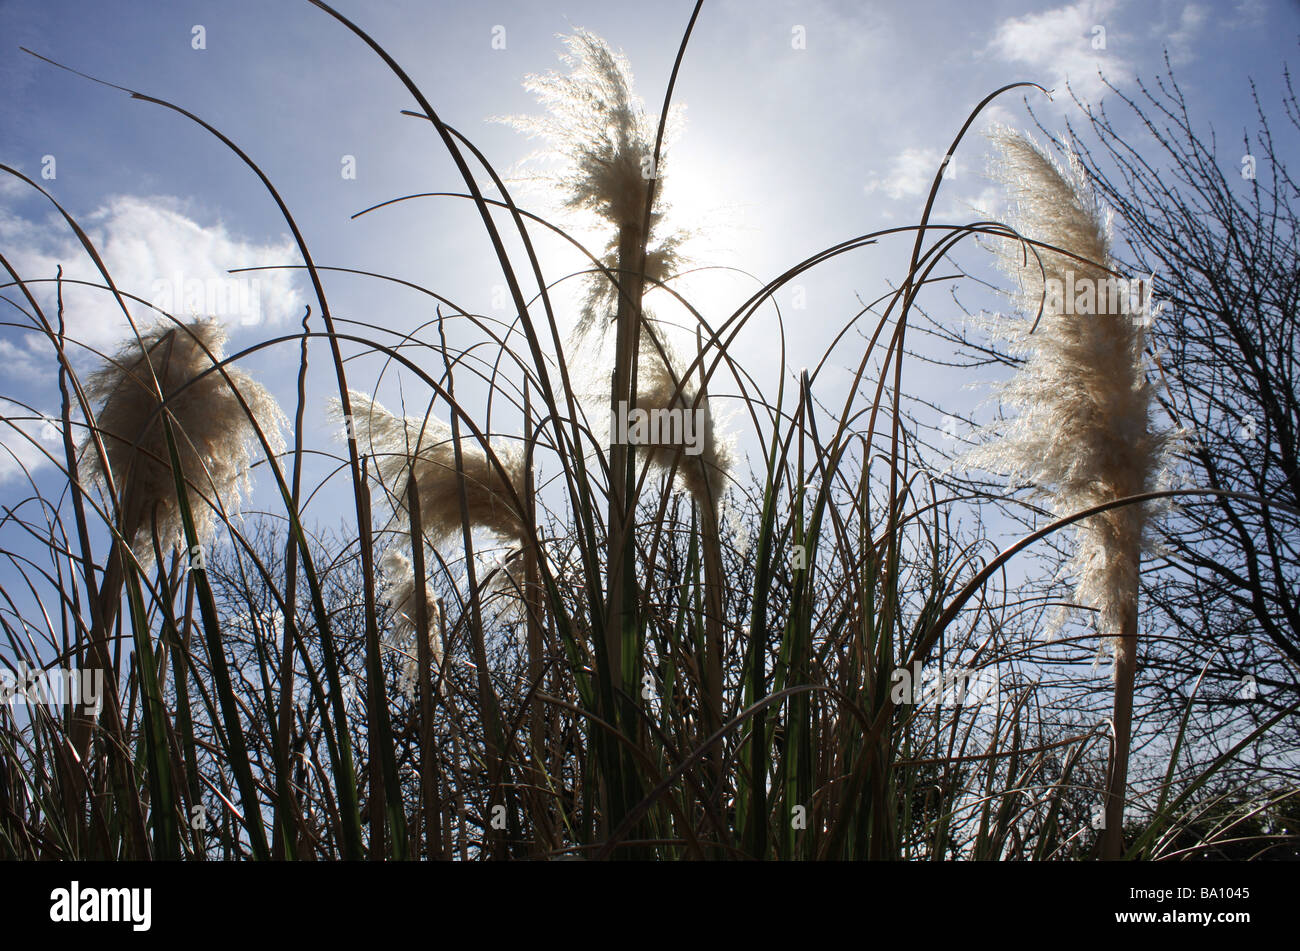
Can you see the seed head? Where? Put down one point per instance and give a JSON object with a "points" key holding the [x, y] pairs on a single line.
{"points": [[1083, 435], [214, 435]]}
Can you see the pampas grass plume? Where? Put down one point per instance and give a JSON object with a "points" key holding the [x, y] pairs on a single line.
{"points": [[402, 444], [399, 592], [1083, 434], [214, 435], [703, 475], [597, 131], [601, 149]]}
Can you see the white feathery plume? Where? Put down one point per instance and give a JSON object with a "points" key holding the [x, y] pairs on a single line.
{"points": [[601, 149], [703, 475], [598, 131], [735, 525], [400, 445], [1083, 435], [663, 261], [214, 436], [399, 592]]}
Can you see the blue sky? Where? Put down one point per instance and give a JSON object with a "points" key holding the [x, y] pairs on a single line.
{"points": [[806, 123]]}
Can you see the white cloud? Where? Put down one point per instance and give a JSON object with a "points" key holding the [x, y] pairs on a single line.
{"points": [[912, 174], [1247, 13], [28, 361], [1179, 39], [1067, 43], [26, 437], [989, 203], [151, 248], [964, 190]]}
